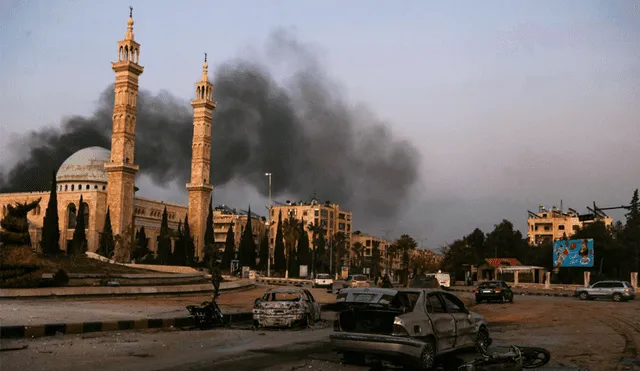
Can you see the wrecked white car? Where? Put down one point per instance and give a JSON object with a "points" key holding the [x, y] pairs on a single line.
{"points": [[405, 326], [286, 307]]}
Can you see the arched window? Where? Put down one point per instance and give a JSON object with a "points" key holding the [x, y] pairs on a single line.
{"points": [[95, 186], [86, 214], [71, 215], [104, 187], [72, 187], [65, 187], [87, 187]]}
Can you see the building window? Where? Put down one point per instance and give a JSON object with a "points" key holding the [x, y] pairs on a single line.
{"points": [[575, 228], [72, 187], [95, 186], [547, 228], [87, 187], [304, 213], [71, 215], [104, 187], [316, 212], [561, 227], [341, 226], [79, 187], [544, 215]]}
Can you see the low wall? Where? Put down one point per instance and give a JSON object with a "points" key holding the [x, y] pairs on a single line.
{"points": [[151, 267]]}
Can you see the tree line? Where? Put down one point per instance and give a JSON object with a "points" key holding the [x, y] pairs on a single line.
{"points": [[617, 248]]}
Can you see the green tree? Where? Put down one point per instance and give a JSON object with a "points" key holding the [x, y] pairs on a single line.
{"points": [[15, 225], [320, 253], [79, 241], [189, 248], [247, 250], [358, 256], [106, 243], [142, 245], [631, 232], [229, 249], [50, 242], [264, 252], [505, 241], [339, 251], [164, 240], [291, 231], [209, 240], [304, 253], [405, 246], [374, 262], [179, 256], [279, 259]]}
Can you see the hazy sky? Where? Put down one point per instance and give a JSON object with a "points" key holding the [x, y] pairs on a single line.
{"points": [[511, 104]]}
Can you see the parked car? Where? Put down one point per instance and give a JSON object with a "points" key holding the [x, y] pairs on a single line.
{"points": [[357, 280], [443, 278], [286, 307], [616, 290], [405, 326], [494, 291], [323, 280], [424, 282]]}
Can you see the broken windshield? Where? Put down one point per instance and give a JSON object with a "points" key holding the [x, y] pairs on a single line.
{"points": [[281, 296]]}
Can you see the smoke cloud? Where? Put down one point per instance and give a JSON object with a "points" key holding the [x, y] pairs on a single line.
{"points": [[301, 130]]}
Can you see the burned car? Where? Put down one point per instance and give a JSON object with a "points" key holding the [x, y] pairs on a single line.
{"points": [[407, 326], [286, 307]]}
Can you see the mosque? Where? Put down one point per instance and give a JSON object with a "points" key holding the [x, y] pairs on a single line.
{"points": [[106, 178]]}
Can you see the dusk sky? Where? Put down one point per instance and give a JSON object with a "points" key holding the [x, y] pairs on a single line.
{"points": [[510, 103]]}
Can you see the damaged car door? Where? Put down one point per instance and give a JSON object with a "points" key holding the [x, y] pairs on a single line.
{"points": [[314, 306], [464, 324], [442, 322]]}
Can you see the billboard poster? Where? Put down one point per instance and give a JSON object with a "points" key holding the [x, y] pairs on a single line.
{"points": [[573, 253]]}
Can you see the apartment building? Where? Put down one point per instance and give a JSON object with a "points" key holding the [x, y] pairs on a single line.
{"points": [[327, 215], [554, 224], [224, 217]]}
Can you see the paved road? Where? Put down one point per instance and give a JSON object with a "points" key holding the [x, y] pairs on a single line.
{"points": [[595, 335]]}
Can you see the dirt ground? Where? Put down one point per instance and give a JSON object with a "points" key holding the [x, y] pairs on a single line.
{"points": [[597, 335]]}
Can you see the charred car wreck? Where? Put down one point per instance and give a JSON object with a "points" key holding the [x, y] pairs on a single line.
{"points": [[286, 307], [405, 326]]}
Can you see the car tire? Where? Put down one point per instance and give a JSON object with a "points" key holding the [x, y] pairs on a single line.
{"points": [[617, 297], [482, 340], [478, 300], [583, 296], [511, 299], [427, 361]]}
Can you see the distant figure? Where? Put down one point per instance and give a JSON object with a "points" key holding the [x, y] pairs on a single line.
{"points": [[216, 277], [375, 280], [386, 282]]}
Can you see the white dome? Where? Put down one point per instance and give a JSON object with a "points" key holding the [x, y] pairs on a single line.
{"points": [[86, 165]]}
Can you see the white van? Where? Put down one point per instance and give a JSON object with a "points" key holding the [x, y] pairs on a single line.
{"points": [[443, 278]]}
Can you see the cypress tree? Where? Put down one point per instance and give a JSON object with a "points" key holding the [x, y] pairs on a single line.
{"points": [[189, 246], [209, 237], [141, 250], [247, 253], [50, 242], [303, 252], [264, 252], [179, 255], [229, 249], [106, 243], [79, 241], [164, 242], [279, 259]]}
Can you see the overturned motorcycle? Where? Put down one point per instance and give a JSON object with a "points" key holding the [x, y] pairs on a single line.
{"points": [[207, 315], [517, 358]]}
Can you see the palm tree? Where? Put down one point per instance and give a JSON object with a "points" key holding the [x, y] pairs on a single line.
{"points": [[358, 255], [291, 232], [316, 230]]}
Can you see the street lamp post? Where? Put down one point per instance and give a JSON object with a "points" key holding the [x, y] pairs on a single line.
{"points": [[269, 229]]}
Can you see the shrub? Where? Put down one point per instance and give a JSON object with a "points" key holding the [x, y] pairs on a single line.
{"points": [[60, 278]]}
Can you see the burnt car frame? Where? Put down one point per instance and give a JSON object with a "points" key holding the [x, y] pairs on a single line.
{"points": [[286, 307], [405, 326]]}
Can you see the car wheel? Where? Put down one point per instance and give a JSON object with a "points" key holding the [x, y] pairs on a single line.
{"points": [[478, 300], [511, 299], [617, 297], [481, 342], [428, 356], [584, 296], [256, 324], [503, 299], [309, 320]]}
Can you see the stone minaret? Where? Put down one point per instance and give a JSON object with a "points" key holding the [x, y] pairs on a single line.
{"points": [[200, 188], [121, 169]]}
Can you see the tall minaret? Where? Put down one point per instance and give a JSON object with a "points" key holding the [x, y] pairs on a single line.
{"points": [[121, 170], [200, 188]]}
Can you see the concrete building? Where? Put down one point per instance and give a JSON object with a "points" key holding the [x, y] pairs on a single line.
{"points": [[106, 178], [328, 216], [554, 224], [225, 217]]}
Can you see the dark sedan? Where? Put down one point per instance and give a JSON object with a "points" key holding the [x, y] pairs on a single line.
{"points": [[494, 291]]}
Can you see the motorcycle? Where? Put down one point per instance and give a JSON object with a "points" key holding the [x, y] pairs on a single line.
{"points": [[517, 358], [206, 315]]}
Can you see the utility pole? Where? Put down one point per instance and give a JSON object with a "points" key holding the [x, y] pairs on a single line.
{"points": [[269, 229]]}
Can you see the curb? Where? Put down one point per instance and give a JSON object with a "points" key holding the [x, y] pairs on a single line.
{"points": [[284, 282], [559, 295], [52, 329], [75, 292]]}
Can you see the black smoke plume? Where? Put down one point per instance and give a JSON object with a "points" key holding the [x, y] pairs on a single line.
{"points": [[302, 131]]}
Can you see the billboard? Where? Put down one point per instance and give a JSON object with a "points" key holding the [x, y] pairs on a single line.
{"points": [[573, 253]]}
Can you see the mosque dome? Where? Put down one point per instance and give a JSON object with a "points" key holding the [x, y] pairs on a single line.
{"points": [[86, 165]]}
